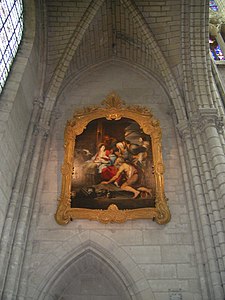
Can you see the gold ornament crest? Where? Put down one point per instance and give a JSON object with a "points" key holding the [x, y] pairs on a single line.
{"points": [[112, 113]]}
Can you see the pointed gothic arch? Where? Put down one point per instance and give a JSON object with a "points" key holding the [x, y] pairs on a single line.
{"points": [[159, 57], [103, 254], [72, 46], [88, 266], [134, 67], [74, 42]]}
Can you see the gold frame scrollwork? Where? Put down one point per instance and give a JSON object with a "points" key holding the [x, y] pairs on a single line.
{"points": [[112, 108]]}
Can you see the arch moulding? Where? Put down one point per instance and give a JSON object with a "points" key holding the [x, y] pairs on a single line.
{"points": [[99, 246]]}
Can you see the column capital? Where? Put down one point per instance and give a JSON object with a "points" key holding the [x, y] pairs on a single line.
{"points": [[39, 102], [41, 130], [184, 129], [206, 117]]}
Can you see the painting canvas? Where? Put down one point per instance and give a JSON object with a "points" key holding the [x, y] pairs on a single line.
{"points": [[113, 167], [113, 164]]}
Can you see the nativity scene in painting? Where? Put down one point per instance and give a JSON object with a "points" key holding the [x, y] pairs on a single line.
{"points": [[113, 167], [113, 164]]}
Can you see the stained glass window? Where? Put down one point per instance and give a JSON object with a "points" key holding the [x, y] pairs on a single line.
{"points": [[215, 49], [11, 29], [212, 5], [217, 53]]}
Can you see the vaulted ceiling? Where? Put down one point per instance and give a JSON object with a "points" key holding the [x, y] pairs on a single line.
{"points": [[113, 33], [166, 39]]}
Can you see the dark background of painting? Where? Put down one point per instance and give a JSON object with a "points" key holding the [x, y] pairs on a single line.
{"points": [[97, 129], [86, 146], [121, 203]]}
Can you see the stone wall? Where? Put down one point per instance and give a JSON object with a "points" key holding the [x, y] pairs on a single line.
{"points": [[153, 261], [15, 110], [184, 259]]}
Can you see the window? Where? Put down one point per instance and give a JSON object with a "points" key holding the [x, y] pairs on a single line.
{"points": [[216, 33], [215, 49], [213, 5], [11, 29]]}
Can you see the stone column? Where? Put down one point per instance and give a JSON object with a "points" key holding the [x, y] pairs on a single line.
{"points": [[190, 137], [214, 213], [16, 200], [20, 239], [216, 158], [193, 220], [21, 206]]}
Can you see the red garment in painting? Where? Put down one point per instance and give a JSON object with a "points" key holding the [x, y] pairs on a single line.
{"points": [[109, 172]]}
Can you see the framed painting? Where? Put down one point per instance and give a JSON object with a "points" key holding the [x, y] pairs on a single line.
{"points": [[113, 168]]}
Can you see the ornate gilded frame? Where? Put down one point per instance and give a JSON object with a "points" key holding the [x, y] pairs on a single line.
{"points": [[112, 108]]}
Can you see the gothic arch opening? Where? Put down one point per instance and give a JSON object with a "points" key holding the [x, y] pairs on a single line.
{"points": [[112, 75], [91, 272], [88, 276]]}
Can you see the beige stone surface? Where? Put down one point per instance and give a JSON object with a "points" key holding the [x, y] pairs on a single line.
{"points": [[151, 53]]}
